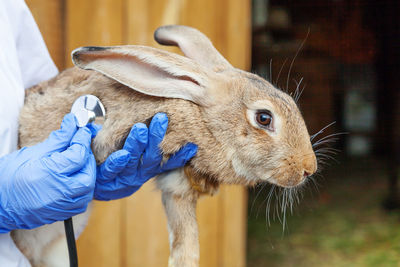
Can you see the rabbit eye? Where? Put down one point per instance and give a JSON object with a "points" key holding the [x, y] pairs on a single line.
{"points": [[264, 118]]}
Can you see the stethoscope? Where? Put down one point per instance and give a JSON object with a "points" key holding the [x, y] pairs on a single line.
{"points": [[86, 109]]}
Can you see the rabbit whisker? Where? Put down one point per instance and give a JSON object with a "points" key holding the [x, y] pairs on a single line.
{"points": [[263, 202], [322, 130], [324, 157], [328, 136], [314, 183], [279, 73], [294, 58], [283, 208], [258, 193], [285, 198], [270, 70], [298, 92], [269, 197], [276, 213], [328, 149], [326, 141]]}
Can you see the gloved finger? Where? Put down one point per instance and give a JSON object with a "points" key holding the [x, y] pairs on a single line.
{"points": [[77, 205], [137, 138], [180, 158], [60, 139], [113, 190], [83, 181], [69, 209], [104, 192], [135, 144], [71, 205], [113, 165], [74, 157], [94, 128], [158, 127]]}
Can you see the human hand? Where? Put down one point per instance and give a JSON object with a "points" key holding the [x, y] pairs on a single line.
{"points": [[126, 170], [48, 182]]}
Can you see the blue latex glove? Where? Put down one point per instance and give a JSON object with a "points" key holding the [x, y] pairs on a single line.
{"points": [[126, 170], [48, 182]]}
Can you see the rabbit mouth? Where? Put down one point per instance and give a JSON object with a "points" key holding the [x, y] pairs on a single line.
{"points": [[288, 181], [277, 176]]}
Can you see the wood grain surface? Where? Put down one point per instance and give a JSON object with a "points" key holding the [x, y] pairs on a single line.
{"points": [[133, 231]]}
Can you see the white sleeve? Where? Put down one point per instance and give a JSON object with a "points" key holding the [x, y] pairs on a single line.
{"points": [[34, 59]]}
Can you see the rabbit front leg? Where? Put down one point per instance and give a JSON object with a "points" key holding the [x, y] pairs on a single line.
{"points": [[180, 201], [183, 230]]}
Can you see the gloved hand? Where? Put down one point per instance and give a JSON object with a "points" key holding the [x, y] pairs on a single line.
{"points": [[48, 182], [126, 170]]}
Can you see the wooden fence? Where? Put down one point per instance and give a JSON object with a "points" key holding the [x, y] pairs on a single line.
{"points": [[132, 231]]}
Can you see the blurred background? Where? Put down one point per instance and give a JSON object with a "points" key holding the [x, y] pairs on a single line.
{"points": [[342, 55], [349, 66]]}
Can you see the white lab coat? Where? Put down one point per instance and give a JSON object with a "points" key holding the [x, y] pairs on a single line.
{"points": [[24, 61]]}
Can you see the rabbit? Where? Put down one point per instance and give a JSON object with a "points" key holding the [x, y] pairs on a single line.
{"points": [[247, 131]]}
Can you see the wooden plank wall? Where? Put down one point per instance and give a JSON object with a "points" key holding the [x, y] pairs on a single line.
{"points": [[132, 231]]}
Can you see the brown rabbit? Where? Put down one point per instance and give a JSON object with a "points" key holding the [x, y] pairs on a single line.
{"points": [[247, 131]]}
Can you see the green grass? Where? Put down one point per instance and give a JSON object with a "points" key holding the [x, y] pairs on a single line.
{"points": [[341, 225]]}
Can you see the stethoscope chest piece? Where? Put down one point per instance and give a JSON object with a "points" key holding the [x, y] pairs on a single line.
{"points": [[87, 108]]}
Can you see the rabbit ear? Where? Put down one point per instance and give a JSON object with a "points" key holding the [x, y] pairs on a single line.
{"points": [[149, 71], [194, 45]]}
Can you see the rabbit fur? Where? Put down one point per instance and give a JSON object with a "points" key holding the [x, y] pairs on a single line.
{"points": [[208, 102]]}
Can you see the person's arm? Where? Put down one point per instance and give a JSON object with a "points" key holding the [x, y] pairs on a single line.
{"points": [[34, 59]]}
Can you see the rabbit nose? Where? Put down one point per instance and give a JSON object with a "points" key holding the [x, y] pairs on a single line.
{"points": [[309, 166]]}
